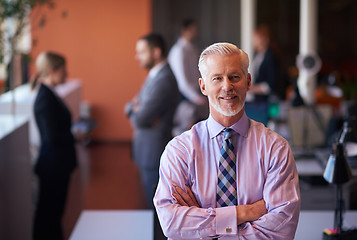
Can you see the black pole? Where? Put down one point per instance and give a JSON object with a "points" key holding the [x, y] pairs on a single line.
{"points": [[335, 222], [339, 209]]}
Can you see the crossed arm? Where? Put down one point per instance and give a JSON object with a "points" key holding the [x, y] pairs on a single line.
{"points": [[245, 213], [186, 209]]}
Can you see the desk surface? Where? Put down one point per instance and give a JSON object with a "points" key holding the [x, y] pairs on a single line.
{"points": [[114, 225], [312, 223], [9, 123]]}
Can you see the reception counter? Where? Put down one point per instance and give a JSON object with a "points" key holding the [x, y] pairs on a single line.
{"points": [[15, 178], [19, 144], [20, 102]]}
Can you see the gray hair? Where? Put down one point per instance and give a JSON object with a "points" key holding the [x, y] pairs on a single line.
{"points": [[222, 49]]}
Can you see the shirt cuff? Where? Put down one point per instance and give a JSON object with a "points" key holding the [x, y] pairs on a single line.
{"points": [[226, 221]]}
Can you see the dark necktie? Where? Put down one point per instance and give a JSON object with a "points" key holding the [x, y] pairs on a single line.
{"points": [[226, 184]]}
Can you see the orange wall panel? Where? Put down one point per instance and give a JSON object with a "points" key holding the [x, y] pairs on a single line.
{"points": [[98, 39]]}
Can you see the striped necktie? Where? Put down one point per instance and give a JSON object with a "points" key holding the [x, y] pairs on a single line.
{"points": [[226, 184]]}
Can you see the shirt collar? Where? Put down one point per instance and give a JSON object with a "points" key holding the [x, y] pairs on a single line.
{"points": [[240, 127], [154, 71]]}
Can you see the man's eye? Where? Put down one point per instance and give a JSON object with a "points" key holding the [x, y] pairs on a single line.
{"points": [[217, 78], [235, 78]]}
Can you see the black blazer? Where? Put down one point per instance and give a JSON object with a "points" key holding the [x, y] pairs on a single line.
{"points": [[268, 72], [57, 154]]}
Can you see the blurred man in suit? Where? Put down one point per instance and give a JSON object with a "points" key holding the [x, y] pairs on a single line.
{"points": [[151, 111]]}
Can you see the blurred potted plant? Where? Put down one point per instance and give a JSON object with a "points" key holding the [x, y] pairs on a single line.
{"points": [[15, 13]]}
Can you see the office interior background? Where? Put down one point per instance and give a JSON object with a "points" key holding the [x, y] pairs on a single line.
{"points": [[98, 40]]}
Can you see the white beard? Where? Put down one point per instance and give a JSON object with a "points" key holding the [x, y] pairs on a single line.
{"points": [[230, 112]]}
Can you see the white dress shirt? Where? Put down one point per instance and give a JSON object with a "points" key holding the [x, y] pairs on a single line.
{"points": [[183, 59]]}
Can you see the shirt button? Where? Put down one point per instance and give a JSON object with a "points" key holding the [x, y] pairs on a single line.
{"points": [[228, 229]]}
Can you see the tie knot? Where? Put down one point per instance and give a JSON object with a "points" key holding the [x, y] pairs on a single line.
{"points": [[227, 133]]}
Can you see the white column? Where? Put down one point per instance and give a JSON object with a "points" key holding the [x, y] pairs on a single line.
{"points": [[308, 41], [248, 21]]}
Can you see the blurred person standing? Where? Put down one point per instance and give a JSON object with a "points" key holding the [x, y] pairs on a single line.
{"points": [[264, 65], [183, 59], [57, 157], [151, 112], [265, 75]]}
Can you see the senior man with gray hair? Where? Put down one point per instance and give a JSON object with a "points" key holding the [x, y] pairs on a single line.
{"points": [[229, 177]]}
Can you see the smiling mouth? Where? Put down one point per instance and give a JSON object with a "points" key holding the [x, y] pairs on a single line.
{"points": [[228, 98]]}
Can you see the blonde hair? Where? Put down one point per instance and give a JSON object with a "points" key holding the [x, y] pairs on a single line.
{"points": [[46, 61], [222, 49]]}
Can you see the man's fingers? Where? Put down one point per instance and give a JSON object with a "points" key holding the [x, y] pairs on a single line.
{"points": [[192, 197], [179, 199], [183, 196], [187, 199], [181, 192]]}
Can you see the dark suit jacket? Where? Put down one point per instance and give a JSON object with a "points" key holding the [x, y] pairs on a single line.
{"points": [[268, 72], [153, 122], [57, 154]]}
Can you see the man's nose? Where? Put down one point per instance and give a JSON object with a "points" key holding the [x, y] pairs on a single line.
{"points": [[226, 83]]}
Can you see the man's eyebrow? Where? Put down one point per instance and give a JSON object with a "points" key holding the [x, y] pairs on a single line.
{"points": [[216, 74], [235, 72]]}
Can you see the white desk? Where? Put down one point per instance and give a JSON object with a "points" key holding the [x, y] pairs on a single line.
{"points": [[312, 223], [114, 225], [138, 224], [24, 98]]}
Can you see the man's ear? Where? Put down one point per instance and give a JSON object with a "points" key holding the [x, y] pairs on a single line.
{"points": [[202, 86], [157, 53], [249, 81]]}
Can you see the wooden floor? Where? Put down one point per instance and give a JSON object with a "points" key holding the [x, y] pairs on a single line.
{"points": [[113, 181], [106, 178]]}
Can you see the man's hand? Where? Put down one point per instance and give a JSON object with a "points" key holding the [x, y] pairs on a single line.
{"points": [[136, 107], [251, 212], [185, 199], [132, 106], [245, 213]]}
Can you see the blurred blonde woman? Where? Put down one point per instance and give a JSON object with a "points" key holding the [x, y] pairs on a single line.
{"points": [[57, 155]]}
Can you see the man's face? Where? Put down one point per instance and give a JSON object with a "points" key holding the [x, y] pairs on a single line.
{"points": [[260, 42], [225, 85], [192, 32], [144, 54]]}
